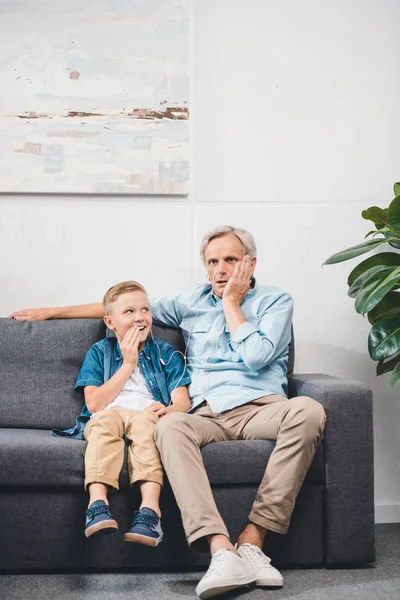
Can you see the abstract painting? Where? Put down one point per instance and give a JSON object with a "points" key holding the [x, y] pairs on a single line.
{"points": [[94, 97]]}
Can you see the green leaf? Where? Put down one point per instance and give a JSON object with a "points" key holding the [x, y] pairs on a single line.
{"points": [[386, 366], [372, 276], [374, 214], [394, 208], [396, 189], [354, 251], [394, 224], [384, 338], [389, 306], [383, 258], [395, 375], [380, 281]]}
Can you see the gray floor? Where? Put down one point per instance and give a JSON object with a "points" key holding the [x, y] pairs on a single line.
{"points": [[370, 583]]}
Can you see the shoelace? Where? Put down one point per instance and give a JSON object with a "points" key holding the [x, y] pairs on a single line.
{"points": [[98, 510], [139, 517], [218, 558], [257, 557]]}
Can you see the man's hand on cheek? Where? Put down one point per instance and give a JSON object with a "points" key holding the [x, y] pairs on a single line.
{"points": [[239, 284]]}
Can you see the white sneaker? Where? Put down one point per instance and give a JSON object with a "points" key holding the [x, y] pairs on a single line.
{"points": [[226, 572], [266, 574]]}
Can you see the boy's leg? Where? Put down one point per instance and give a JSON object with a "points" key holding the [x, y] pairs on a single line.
{"points": [[150, 492], [144, 462], [103, 462], [105, 448], [145, 468]]}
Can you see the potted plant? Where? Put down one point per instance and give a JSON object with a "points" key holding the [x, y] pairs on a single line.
{"points": [[374, 284]]}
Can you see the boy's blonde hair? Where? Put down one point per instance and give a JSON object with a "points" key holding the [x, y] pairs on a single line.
{"points": [[117, 290]]}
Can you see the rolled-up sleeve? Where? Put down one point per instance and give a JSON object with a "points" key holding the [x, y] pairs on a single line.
{"points": [[177, 375], [259, 344], [92, 370], [165, 310]]}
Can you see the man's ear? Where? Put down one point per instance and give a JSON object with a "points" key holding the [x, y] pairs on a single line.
{"points": [[253, 262]]}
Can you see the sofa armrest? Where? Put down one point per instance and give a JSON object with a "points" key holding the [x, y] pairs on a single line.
{"points": [[349, 465]]}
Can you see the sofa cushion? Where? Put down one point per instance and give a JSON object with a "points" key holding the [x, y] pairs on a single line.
{"points": [[39, 365], [40, 361], [35, 458]]}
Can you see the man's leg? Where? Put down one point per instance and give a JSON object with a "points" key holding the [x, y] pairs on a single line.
{"points": [[179, 437], [297, 427]]}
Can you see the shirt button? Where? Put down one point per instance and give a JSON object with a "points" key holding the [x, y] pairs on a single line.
{"points": [[219, 329]]}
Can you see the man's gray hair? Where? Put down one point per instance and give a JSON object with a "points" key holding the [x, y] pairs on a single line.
{"points": [[248, 243]]}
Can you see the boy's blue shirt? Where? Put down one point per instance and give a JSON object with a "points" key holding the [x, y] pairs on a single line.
{"points": [[105, 358]]}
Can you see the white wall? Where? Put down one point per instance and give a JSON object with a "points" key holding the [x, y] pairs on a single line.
{"points": [[295, 129]]}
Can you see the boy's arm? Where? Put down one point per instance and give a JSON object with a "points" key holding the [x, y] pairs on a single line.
{"points": [[180, 400], [81, 311], [97, 398], [180, 403]]}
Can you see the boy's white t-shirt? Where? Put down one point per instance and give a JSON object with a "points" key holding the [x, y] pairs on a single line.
{"points": [[135, 394]]}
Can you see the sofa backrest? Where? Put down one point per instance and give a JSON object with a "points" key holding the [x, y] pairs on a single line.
{"points": [[39, 363]]}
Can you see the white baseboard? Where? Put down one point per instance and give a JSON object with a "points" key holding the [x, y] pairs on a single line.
{"points": [[387, 513]]}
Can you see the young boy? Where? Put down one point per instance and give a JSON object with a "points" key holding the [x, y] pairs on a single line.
{"points": [[129, 382]]}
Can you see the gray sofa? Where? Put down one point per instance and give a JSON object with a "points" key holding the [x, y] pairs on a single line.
{"points": [[42, 501]]}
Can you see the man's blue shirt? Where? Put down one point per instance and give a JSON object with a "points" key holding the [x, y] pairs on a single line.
{"points": [[228, 371], [104, 359]]}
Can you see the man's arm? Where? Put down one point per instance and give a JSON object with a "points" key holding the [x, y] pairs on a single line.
{"points": [[82, 311], [260, 345]]}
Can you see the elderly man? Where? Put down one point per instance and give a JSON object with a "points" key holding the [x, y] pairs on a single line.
{"points": [[237, 334]]}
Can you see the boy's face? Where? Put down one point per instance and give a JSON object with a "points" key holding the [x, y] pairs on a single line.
{"points": [[131, 309]]}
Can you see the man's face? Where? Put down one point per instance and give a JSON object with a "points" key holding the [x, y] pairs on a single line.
{"points": [[221, 255], [130, 309]]}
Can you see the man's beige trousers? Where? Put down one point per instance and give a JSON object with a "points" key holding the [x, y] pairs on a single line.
{"points": [[295, 424], [106, 445]]}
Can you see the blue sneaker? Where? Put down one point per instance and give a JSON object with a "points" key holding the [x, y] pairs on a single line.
{"points": [[99, 519], [146, 528]]}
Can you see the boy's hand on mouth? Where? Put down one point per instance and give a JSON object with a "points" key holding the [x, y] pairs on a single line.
{"points": [[130, 346]]}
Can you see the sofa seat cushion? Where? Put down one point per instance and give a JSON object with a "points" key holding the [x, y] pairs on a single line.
{"points": [[35, 458]]}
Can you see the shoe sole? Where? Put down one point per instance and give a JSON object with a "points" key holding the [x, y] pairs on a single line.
{"points": [[224, 587], [109, 526], [142, 539], [268, 583]]}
